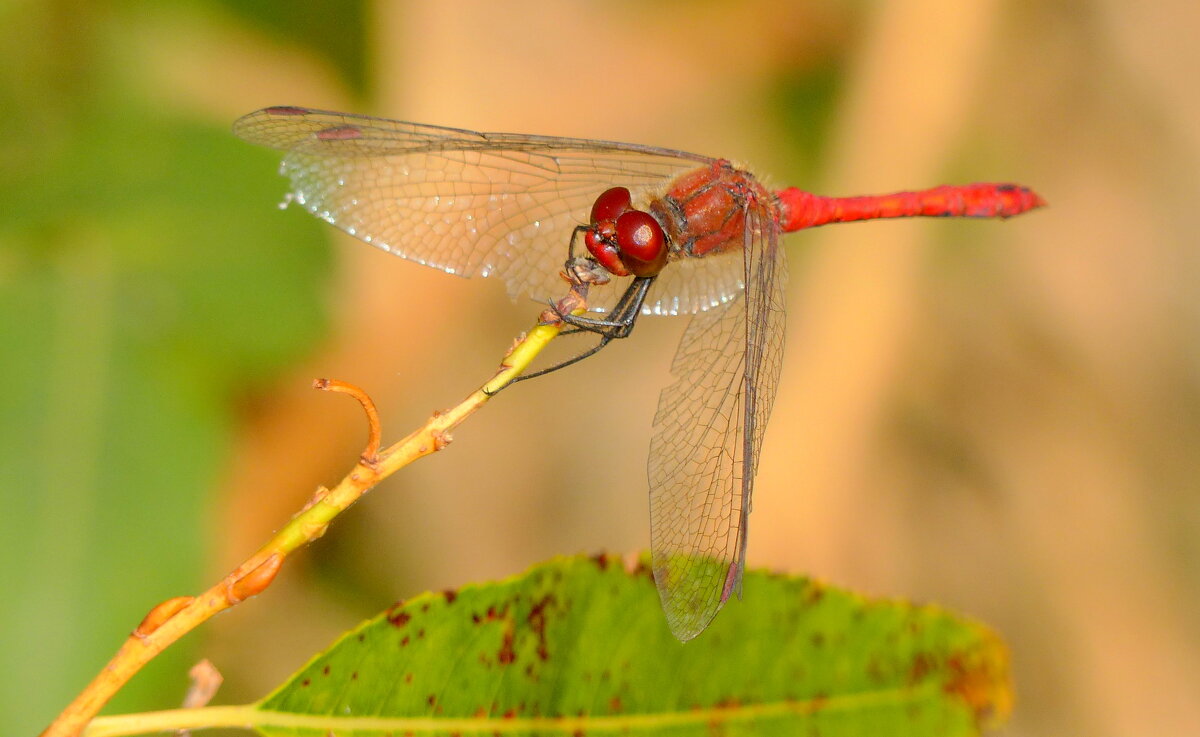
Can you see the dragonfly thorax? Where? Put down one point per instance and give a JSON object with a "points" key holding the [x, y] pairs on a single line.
{"points": [[704, 211], [625, 240]]}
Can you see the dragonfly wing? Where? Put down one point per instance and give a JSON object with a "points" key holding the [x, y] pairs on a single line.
{"points": [[469, 203], [693, 285], [707, 436], [766, 317]]}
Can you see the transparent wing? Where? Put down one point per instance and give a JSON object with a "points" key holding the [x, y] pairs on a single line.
{"points": [[469, 203], [707, 437], [692, 285]]}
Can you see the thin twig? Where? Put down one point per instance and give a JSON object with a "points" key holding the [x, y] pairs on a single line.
{"points": [[175, 617], [374, 430]]}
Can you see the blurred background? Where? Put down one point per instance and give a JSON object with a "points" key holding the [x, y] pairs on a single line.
{"points": [[999, 417]]}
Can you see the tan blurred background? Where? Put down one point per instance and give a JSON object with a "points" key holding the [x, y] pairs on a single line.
{"points": [[999, 417]]}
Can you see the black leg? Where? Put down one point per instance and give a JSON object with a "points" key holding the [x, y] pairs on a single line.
{"points": [[604, 340], [625, 314], [571, 247]]}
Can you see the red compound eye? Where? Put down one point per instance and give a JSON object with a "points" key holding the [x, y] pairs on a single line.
{"points": [[610, 204], [640, 236], [604, 250]]}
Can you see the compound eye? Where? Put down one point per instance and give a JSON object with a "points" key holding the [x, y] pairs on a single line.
{"points": [[610, 204], [639, 235], [604, 250]]}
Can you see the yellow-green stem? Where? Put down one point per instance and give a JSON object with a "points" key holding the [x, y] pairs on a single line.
{"points": [[256, 573]]}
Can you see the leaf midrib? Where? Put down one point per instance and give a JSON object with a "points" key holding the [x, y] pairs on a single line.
{"points": [[250, 716]]}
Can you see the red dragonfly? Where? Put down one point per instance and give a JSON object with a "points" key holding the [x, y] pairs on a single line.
{"points": [[675, 233]]}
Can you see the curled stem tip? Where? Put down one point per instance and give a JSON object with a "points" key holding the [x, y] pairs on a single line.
{"points": [[374, 430]]}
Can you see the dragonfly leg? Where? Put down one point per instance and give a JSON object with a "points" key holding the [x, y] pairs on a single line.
{"points": [[571, 248], [604, 340], [624, 316]]}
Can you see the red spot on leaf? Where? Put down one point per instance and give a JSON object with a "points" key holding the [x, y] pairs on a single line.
{"points": [[614, 704], [399, 619], [507, 654], [983, 683], [450, 595], [875, 669], [325, 671], [431, 699], [601, 561], [922, 665], [537, 622]]}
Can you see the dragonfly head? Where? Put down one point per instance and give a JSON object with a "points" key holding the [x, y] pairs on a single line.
{"points": [[625, 240]]}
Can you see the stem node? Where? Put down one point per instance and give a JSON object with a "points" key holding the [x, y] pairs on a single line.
{"points": [[256, 581], [161, 613]]}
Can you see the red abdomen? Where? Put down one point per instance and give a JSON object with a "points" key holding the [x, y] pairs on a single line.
{"points": [[802, 209]]}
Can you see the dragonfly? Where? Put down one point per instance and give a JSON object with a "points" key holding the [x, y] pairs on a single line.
{"points": [[672, 233]]}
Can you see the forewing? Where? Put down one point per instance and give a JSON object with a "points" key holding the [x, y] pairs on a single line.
{"points": [[708, 434], [469, 203]]}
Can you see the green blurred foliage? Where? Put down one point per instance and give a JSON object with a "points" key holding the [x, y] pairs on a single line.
{"points": [[333, 29], [804, 100], [146, 285]]}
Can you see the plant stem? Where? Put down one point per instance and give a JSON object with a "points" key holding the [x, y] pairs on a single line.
{"points": [[175, 617]]}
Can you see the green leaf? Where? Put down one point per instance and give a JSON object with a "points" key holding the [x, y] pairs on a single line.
{"points": [[579, 646]]}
